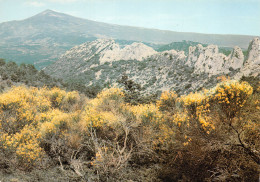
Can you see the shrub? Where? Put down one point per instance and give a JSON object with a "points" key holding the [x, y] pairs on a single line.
{"points": [[167, 101], [28, 119], [231, 96], [210, 135]]}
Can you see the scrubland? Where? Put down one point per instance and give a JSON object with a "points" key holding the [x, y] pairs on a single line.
{"points": [[49, 134]]}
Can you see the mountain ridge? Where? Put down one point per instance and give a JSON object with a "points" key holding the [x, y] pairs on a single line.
{"points": [[55, 13], [42, 38], [157, 71]]}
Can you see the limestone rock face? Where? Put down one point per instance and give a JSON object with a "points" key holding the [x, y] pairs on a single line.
{"points": [[251, 65], [90, 49], [235, 59], [206, 59], [109, 51], [135, 51], [209, 60], [81, 58], [254, 52], [103, 62]]}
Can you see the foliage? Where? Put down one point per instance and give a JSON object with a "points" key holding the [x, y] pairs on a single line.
{"points": [[231, 96], [27, 74], [132, 92], [27, 116], [225, 50], [13, 74], [210, 135], [167, 101], [179, 46], [213, 128]]}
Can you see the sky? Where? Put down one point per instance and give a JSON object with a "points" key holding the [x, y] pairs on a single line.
{"points": [[202, 16]]}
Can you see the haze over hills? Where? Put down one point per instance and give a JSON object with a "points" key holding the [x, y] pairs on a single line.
{"points": [[41, 39]]}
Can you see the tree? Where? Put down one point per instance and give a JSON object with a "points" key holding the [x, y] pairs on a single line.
{"points": [[2, 62], [131, 89]]}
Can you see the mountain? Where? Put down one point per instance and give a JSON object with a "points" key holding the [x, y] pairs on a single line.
{"points": [[102, 62], [41, 39]]}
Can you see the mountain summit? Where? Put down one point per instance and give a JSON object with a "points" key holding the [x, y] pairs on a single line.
{"points": [[48, 14], [41, 39]]}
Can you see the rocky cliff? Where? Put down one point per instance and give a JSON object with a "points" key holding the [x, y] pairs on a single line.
{"points": [[103, 62], [251, 65]]}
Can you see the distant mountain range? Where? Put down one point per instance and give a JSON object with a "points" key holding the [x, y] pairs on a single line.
{"points": [[41, 39]]}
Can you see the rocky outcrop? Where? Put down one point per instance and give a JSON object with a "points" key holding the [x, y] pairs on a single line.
{"points": [[254, 52], [135, 51], [251, 66], [81, 58], [235, 59], [109, 51], [88, 50], [209, 60], [206, 59], [103, 61]]}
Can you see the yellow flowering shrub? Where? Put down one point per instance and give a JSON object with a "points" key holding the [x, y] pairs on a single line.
{"points": [[38, 125], [25, 144], [193, 99], [72, 97], [93, 117], [102, 111], [111, 93], [57, 123], [167, 101], [56, 96], [204, 117], [197, 105], [144, 113], [148, 118], [16, 109], [29, 115], [231, 96]]}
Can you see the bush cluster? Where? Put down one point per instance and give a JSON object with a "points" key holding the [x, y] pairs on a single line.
{"points": [[13, 74], [26, 74], [212, 135]]}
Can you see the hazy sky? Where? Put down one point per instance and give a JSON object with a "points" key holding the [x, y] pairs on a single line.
{"points": [[204, 16]]}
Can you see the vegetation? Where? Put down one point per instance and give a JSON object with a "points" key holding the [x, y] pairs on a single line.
{"points": [[212, 135], [184, 46], [225, 50], [25, 73], [13, 74], [132, 92], [179, 46]]}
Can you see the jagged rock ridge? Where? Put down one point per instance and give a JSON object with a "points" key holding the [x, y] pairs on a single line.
{"points": [[103, 62]]}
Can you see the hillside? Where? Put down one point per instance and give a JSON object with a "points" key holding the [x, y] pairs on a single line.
{"points": [[53, 135], [43, 38], [12, 74], [50, 134], [102, 62]]}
